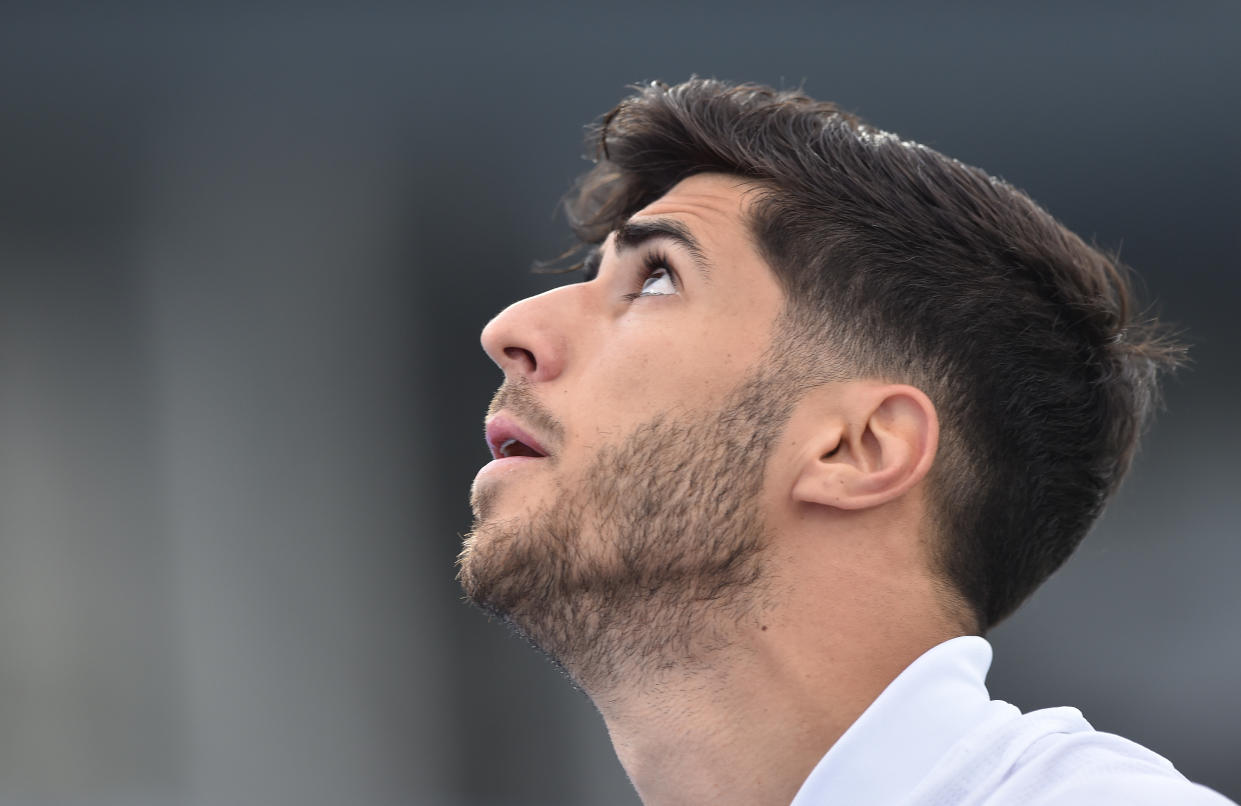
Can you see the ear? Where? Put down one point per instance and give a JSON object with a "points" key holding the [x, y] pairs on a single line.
{"points": [[879, 441]]}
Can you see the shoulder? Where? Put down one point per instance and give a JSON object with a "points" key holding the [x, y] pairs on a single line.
{"points": [[1055, 758], [1093, 768]]}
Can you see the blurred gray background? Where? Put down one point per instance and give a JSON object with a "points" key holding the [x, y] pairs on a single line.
{"points": [[245, 254]]}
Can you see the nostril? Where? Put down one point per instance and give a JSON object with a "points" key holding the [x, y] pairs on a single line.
{"points": [[522, 356]]}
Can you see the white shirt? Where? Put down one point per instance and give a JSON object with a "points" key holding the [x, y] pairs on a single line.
{"points": [[934, 737]]}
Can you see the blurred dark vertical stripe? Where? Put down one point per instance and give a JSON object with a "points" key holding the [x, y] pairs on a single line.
{"points": [[89, 691], [287, 321]]}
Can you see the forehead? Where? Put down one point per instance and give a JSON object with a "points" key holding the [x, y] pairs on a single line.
{"points": [[709, 204]]}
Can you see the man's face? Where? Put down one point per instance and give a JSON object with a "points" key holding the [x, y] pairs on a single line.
{"points": [[647, 392]]}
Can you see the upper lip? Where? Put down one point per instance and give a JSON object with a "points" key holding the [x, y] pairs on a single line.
{"points": [[501, 428]]}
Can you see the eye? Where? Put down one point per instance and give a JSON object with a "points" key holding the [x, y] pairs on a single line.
{"points": [[658, 282], [658, 278]]}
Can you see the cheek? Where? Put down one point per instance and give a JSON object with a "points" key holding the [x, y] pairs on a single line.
{"points": [[677, 372]]}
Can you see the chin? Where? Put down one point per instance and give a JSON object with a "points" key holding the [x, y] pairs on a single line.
{"points": [[501, 557], [483, 497], [477, 555]]}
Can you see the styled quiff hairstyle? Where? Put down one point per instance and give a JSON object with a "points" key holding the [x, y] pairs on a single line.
{"points": [[901, 263]]}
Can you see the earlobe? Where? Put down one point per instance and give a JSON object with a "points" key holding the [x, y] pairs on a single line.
{"points": [[880, 443]]}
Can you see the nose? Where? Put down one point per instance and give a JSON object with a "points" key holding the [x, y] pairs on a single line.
{"points": [[528, 339]]}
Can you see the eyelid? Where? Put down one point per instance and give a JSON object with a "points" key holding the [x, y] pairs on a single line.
{"points": [[656, 258]]}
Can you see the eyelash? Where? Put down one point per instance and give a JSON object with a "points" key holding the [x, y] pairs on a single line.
{"points": [[653, 260]]}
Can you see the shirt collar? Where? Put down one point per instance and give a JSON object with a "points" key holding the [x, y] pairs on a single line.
{"points": [[907, 729]]}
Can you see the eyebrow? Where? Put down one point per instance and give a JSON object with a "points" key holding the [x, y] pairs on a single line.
{"points": [[633, 234]]}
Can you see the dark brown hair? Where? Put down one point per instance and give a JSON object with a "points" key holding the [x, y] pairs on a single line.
{"points": [[899, 262]]}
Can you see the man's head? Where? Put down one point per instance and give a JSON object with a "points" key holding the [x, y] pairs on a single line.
{"points": [[880, 263]]}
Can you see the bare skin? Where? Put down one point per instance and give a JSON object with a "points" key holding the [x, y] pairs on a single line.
{"points": [[739, 701]]}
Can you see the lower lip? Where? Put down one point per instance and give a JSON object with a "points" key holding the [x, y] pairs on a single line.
{"points": [[505, 464]]}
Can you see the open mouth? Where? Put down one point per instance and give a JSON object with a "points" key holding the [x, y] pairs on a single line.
{"points": [[507, 440], [515, 447]]}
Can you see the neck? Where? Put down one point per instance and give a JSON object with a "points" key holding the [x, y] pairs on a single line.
{"points": [[749, 724]]}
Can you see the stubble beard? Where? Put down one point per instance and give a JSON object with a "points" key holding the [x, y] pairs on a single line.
{"points": [[655, 557]]}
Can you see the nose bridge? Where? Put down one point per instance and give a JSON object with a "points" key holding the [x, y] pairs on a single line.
{"points": [[530, 337]]}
